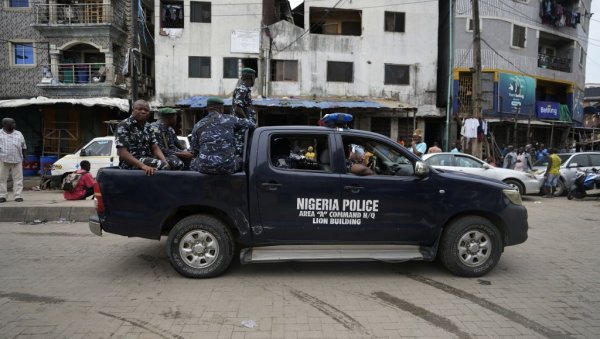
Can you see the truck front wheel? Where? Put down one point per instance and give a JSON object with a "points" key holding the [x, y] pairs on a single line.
{"points": [[470, 246], [200, 246]]}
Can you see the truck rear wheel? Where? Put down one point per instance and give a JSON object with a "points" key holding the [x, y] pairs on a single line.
{"points": [[200, 246], [470, 246]]}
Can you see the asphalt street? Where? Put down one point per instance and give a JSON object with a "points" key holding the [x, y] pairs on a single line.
{"points": [[57, 280]]}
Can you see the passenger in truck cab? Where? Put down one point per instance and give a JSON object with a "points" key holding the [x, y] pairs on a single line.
{"points": [[355, 161]]}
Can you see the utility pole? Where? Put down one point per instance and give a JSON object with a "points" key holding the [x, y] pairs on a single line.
{"points": [[476, 97], [132, 57]]}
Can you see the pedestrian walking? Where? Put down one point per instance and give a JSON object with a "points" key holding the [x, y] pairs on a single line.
{"points": [[418, 147], [552, 174], [510, 159], [12, 153]]}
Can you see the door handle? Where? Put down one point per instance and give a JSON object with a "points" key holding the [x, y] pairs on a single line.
{"points": [[271, 186], [353, 188]]}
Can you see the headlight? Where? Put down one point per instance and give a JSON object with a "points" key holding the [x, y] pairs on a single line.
{"points": [[56, 166], [513, 196]]}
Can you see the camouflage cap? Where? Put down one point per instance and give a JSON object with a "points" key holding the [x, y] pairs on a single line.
{"points": [[214, 101], [167, 111]]}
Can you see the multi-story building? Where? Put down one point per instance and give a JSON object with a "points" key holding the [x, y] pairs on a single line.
{"points": [[76, 54], [340, 52], [533, 56]]}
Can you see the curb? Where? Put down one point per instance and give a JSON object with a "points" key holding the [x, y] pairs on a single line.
{"points": [[26, 214]]}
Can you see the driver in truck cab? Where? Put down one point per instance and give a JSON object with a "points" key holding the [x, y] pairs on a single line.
{"points": [[355, 163]]}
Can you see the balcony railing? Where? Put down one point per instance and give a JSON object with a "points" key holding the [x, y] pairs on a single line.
{"points": [[82, 73], [554, 62], [78, 14]]}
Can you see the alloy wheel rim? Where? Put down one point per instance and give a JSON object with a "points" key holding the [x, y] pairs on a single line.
{"points": [[474, 248], [199, 248]]}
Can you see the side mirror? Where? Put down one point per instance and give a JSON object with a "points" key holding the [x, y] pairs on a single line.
{"points": [[421, 169], [486, 166], [82, 153]]}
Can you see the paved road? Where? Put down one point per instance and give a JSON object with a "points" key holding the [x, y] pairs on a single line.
{"points": [[59, 281]]}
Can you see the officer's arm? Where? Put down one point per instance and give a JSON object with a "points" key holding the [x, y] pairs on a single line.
{"points": [[158, 153], [124, 155]]}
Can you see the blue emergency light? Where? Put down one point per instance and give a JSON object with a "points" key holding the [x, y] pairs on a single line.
{"points": [[336, 120]]}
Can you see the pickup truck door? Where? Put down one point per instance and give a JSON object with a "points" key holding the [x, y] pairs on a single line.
{"points": [[385, 207], [293, 196]]}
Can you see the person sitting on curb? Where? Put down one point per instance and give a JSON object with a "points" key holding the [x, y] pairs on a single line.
{"points": [[85, 186]]}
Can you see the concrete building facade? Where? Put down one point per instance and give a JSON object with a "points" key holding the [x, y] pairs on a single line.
{"points": [[321, 50], [533, 56]]}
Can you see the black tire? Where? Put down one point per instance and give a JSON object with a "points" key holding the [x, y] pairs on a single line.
{"points": [[207, 242], [515, 184], [455, 254], [561, 188]]}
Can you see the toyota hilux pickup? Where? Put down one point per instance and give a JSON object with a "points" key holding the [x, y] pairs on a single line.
{"points": [[290, 203]]}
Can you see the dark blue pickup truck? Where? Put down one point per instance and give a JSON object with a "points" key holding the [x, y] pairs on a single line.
{"points": [[292, 203]]}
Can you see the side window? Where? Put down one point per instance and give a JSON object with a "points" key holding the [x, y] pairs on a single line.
{"points": [[440, 160], [466, 162], [380, 157], [580, 160], [595, 160], [98, 149], [308, 152]]}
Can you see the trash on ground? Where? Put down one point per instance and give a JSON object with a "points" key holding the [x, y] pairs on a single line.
{"points": [[249, 323], [484, 282]]}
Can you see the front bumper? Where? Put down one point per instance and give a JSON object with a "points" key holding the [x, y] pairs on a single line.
{"points": [[95, 227], [516, 226]]}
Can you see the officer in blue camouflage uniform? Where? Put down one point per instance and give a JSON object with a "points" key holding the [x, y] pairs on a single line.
{"points": [[213, 140], [241, 105], [136, 144], [176, 155]]}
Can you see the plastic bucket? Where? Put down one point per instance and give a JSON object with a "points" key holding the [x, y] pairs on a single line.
{"points": [[31, 165], [46, 164]]}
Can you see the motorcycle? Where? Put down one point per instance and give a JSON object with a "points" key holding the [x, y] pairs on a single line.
{"points": [[587, 184]]}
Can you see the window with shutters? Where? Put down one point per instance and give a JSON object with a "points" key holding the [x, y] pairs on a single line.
{"points": [[284, 70], [200, 11], [199, 67], [338, 71], [519, 36], [397, 74], [394, 22]]}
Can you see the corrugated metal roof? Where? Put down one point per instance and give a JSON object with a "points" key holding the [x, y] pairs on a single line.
{"points": [[200, 102]]}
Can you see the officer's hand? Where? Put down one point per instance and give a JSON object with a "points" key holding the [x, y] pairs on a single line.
{"points": [[185, 155], [148, 170]]}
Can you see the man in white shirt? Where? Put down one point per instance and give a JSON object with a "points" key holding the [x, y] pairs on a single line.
{"points": [[12, 153], [418, 147]]}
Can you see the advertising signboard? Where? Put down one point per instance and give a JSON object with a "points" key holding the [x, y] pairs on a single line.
{"points": [[547, 110], [516, 94]]}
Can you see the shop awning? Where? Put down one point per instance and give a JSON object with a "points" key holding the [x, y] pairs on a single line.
{"points": [[200, 102], [121, 104]]}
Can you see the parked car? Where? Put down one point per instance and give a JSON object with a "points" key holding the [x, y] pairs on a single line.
{"points": [[571, 162], [525, 183], [100, 152]]}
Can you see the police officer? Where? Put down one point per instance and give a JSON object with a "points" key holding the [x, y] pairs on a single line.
{"points": [[136, 144], [241, 105], [213, 140], [166, 137]]}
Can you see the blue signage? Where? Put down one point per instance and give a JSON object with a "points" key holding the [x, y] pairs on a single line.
{"points": [[516, 94], [548, 110]]}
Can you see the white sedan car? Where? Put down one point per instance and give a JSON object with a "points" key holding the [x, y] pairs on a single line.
{"points": [[525, 183]]}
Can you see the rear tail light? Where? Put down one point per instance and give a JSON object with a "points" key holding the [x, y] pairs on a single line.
{"points": [[98, 196]]}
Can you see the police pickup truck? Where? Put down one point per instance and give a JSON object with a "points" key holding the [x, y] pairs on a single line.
{"points": [[294, 204]]}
